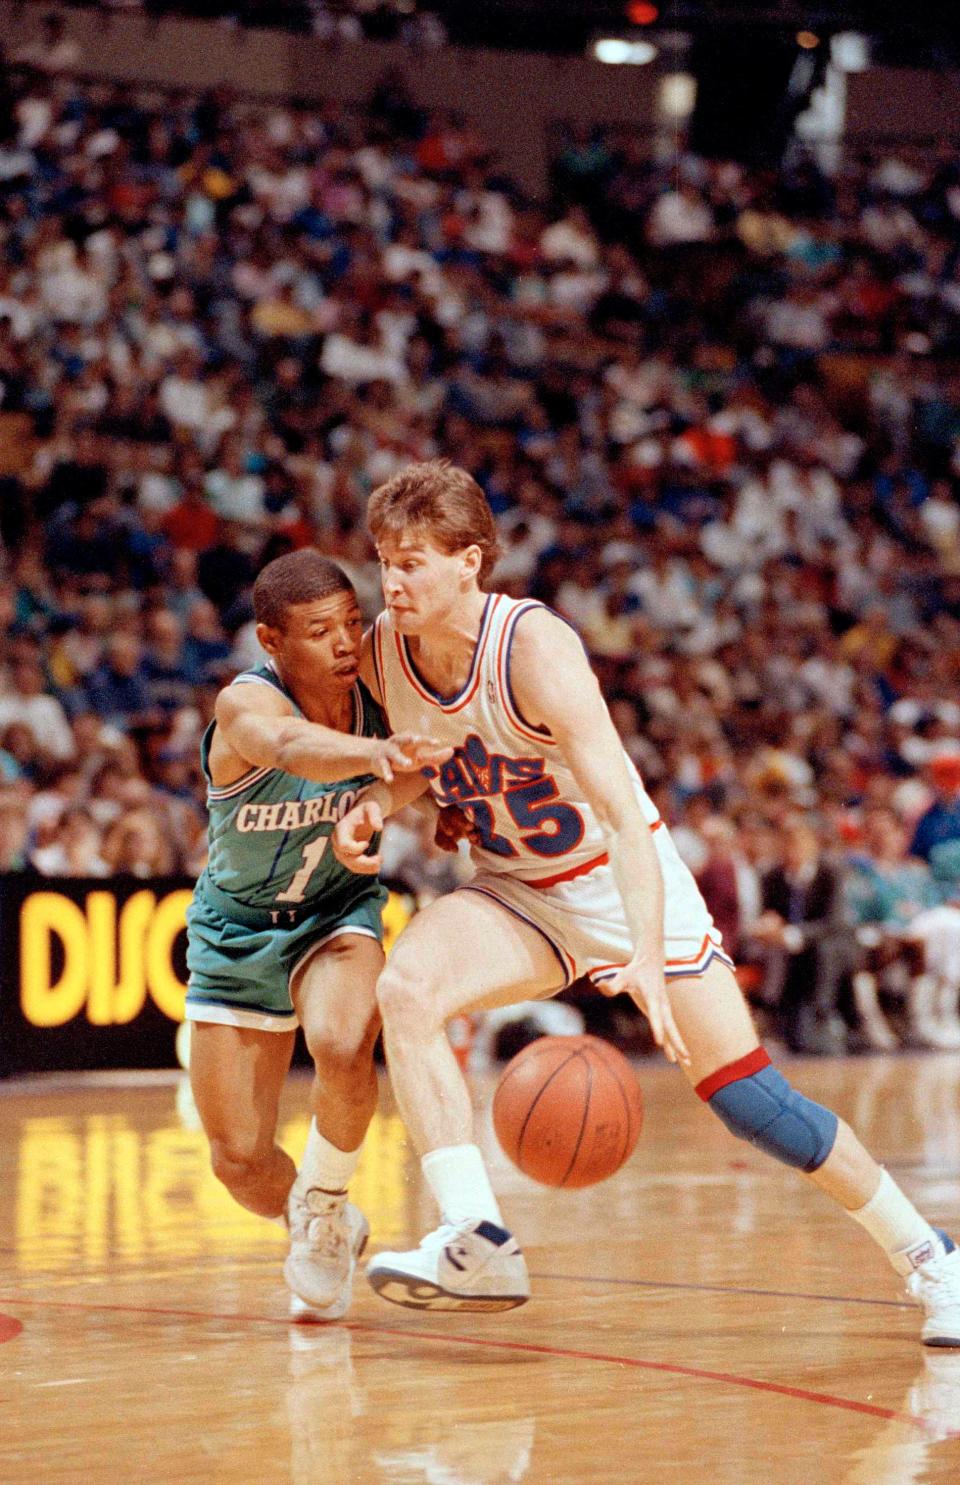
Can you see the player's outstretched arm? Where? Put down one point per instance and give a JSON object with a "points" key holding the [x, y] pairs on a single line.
{"points": [[257, 724], [555, 688]]}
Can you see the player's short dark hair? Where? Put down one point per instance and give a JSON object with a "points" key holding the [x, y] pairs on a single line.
{"points": [[296, 577], [443, 503]]}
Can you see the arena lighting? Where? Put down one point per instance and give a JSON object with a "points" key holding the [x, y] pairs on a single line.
{"points": [[678, 95], [807, 40], [850, 51], [642, 13], [617, 52]]}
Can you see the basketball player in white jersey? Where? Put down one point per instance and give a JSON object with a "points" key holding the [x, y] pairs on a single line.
{"points": [[575, 875]]}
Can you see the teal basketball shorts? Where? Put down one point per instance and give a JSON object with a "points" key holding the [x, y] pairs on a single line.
{"points": [[241, 963]]}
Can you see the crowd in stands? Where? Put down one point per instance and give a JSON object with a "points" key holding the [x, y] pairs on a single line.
{"points": [[331, 21], [716, 414]]}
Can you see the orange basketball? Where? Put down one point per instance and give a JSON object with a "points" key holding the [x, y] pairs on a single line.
{"points": [[568, 1110]]}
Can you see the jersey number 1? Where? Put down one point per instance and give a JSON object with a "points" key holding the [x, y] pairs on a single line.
{"points": [[309, 861]]}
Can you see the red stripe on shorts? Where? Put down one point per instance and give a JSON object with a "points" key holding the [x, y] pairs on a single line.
{"points": [[744, 1067], [569, 874]]}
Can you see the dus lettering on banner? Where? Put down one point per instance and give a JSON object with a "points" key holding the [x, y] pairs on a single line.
{"points": [[102, 957]]}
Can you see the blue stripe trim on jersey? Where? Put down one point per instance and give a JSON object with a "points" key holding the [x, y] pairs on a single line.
{"points": [[252, 776], [253, 678], [484, 892], [508, 689], [452, 700]]}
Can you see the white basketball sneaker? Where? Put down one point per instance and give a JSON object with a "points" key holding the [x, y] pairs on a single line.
{"points": [[935, 1287], [327, 1236], [473, 1265]]}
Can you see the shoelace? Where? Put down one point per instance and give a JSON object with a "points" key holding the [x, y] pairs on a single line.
{"points": [[324, 1237], [324, 1234]]}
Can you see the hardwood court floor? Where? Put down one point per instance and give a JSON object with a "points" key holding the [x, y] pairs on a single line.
{"points": [[703, 1316]]}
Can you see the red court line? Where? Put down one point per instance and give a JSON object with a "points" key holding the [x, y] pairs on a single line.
{"points": [[9, 1328], [531, 1348]]}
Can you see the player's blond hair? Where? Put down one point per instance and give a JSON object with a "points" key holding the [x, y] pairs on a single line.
{"points": [[441, 502]]}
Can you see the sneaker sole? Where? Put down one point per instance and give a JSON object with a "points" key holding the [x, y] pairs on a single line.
{"points": [[302, 1313], [420, 1294]]}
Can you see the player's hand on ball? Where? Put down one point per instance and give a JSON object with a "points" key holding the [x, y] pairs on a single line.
{"points": [[406, 752], [453, 826], [643, 980], [353, 834]]}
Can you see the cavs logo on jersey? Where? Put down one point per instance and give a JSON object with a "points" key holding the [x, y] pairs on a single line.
{"points": [[483, 783]]}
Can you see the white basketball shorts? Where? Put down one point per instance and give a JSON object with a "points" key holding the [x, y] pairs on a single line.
{"points": [[580, 913]]}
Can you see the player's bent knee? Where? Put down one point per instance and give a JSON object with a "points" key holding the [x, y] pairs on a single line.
{"points": [[234, 1165], [345, 1059], [757, 1104], [403, 998], [340, 1041]]}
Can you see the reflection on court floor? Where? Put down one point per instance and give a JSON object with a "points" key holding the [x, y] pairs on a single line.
{"points": [[704, 1314], [97, 1186]]}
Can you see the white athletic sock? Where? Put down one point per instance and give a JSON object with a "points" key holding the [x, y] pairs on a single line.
{"points": [[895, 1224], [324, 1165], [458, 1179]]}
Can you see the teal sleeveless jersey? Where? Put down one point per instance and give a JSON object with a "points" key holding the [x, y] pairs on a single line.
{"points": [[269, 831]]}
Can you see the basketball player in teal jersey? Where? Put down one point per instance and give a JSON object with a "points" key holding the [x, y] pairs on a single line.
{"points": [[279, 933], [576, 874]]}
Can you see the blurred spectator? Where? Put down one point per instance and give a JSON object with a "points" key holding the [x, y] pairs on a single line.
{"points": [[168, 673], [679, 216], [76, 851], [14, 830], [119, 689], [206, 648], [135, 846], [730, 885], [225, 569], [937, 929], [893, 898], [804, 930], [53, 51], [26, 700], [22, 756], [939, 825], [192, 523]]}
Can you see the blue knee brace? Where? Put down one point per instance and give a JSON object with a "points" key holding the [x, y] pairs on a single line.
{"points": [[757, 1104]]}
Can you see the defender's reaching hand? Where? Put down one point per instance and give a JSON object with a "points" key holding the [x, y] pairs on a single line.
{"points": [[405, 752], [353, 834]]}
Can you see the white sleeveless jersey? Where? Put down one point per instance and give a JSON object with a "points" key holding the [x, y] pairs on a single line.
{"points": [[509, 775]]}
